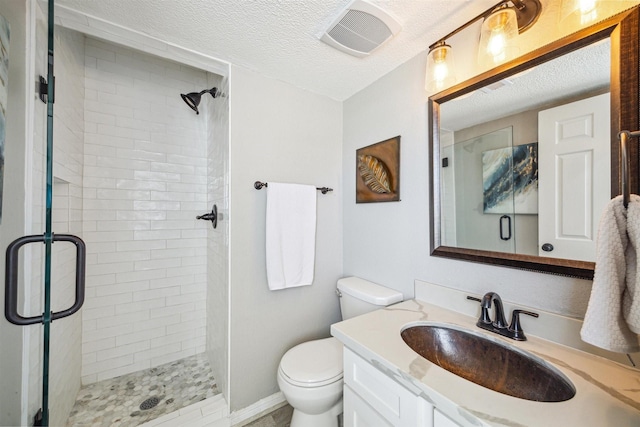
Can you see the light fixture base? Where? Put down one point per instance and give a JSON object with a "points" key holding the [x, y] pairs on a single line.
{"points": [[527, 13]]}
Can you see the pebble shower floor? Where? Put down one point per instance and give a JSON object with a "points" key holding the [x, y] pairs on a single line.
{"points": [[136, 398]]}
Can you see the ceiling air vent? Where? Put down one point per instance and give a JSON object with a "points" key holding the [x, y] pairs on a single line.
{"points": [[360, 29], [497, 85]]}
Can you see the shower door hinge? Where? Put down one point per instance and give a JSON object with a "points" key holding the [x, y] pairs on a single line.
{"points": [[37, 418], [43, 89]]}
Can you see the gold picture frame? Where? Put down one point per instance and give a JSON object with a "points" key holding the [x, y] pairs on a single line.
{"points": [[378, 172]]}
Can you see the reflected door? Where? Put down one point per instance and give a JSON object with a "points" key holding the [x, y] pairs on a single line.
{"points": [[574, 176]]}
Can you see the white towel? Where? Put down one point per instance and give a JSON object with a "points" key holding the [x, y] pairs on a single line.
{"points": [[631, 300], [290, 235], [612, 320]]}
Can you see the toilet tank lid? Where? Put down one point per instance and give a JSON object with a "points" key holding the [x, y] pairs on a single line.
{"points": [[368, 291]]}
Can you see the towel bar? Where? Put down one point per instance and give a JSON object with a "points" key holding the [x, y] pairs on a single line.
{"points": [[258, 186], [625, 173]]}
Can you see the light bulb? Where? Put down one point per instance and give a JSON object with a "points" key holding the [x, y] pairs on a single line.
{"points": [[580, 12], [588, 12], [587, 6], [496, 46], [440, 71]]}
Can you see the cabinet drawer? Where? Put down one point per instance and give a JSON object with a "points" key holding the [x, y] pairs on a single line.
{"points": [[357, 413], [395, 403], [441, 420]]}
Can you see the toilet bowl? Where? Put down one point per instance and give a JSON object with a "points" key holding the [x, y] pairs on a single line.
{"points": [[310, 374], [310, 377]]}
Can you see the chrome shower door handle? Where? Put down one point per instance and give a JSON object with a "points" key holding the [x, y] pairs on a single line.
{"points": [[11, 278]]}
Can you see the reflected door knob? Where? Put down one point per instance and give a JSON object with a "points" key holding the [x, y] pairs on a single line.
{"points": [[547, 247]]}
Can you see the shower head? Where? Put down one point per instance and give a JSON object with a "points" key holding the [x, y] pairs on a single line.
{"points": [[193, 99]]}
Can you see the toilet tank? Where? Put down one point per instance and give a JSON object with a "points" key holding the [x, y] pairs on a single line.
{"points": [[359, 296]]}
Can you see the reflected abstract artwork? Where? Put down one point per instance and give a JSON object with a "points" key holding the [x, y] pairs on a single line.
{"points": [[510, 180]]}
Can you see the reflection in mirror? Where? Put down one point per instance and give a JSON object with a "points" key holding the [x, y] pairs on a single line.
{"points": [[525, 156], [477, 192], [491, 198]]}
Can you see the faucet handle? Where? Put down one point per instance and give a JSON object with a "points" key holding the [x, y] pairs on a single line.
{"points": [[484, 315], [515, 329]]}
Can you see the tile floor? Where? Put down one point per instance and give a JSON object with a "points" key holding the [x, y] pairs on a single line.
{"points": [[133, 399], [280, 417]]}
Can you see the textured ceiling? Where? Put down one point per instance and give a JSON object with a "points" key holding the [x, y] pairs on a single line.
{"points": [[584, 71], [280, 38]]}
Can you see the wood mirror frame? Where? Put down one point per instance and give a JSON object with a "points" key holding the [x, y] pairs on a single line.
{"points": [[623, 31]]}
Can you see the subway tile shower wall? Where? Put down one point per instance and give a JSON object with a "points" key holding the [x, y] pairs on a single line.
{"points": [[218, 238], [68, 132], [145, 180]]}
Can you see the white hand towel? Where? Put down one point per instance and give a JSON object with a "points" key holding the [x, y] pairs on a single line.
{"points": [[290, 235], [631, 299], [606, 322]]}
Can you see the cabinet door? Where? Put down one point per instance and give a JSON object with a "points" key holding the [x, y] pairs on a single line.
{"points": [[357, 413], [397, 405], [441, 420]]}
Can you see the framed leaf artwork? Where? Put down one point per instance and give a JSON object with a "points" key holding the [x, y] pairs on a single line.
{"points": [[378, 172]]}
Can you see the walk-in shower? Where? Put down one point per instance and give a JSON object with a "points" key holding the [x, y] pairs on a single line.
{"points": [[132, 169]]}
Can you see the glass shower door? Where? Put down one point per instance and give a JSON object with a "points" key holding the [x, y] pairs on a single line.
{"points": [[40, 294], [489, 188], [484, 200]]}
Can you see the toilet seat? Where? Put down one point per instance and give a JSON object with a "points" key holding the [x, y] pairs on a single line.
{"points": [[313, 363]]}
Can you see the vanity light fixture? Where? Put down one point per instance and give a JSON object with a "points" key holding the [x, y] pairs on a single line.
{"points": [[502, 24], [497, 37], [440, 69]]}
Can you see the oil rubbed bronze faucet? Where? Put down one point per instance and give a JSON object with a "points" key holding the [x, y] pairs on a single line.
{"points": [[499, 324]]}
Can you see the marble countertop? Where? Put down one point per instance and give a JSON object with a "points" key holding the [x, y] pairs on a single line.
{"points": [[607, 393]]}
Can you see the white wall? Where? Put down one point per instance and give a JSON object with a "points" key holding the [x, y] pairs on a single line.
{"points": [[397, 252], [145, 181], [278, 134], [14, 197], [388, 243]]}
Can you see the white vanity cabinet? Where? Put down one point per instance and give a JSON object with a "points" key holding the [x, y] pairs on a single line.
{"points": [[387, 384], [373, 399]]}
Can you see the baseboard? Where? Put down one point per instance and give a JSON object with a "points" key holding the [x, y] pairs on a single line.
{"points": [[246, 415]]}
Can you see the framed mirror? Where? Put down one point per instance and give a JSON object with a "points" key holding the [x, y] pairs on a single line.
{"points": [[526, 156]]}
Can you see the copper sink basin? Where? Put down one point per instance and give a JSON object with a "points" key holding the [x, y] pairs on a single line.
{"points": [[489, 363]]}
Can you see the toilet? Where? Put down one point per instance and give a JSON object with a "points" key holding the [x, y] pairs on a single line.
{"points": [[310, 374]]}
